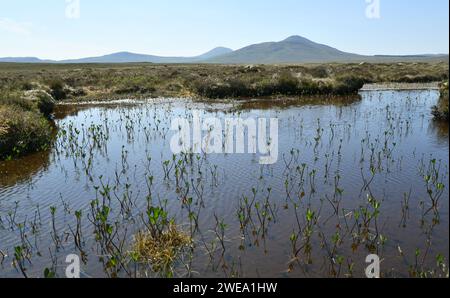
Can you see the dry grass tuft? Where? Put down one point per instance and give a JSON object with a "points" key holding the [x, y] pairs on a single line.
{"points": [[3, 129], [160, 251]]}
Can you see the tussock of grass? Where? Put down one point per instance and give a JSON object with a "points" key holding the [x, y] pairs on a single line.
{"points": [[3, 128], [284, 85], [160, 251], [41, 100], [22, 131], [24, 125], [57, 89], [440, 112]]}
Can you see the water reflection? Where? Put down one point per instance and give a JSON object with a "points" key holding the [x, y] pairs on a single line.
{"points": [[286, 103], [440, 130], [23, 170]]}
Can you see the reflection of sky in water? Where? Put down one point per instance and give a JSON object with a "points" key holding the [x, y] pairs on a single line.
{"points": [[143, 130]]}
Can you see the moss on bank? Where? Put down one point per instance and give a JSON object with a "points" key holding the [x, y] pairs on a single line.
{"points": [[24, 124], [440, 112]]}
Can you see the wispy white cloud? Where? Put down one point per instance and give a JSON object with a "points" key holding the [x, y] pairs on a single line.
{"points": [[12, 26]]}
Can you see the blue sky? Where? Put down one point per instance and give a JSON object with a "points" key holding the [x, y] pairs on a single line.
{"points": [[191, 27]]}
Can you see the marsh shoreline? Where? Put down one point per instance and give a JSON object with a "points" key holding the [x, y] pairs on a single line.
{"points": [[236, 85]]}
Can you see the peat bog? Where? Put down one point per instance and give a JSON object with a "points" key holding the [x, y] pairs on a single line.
{"points": [[356, 176]]}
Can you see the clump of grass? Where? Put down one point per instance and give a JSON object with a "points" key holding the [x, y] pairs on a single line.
{"points": [[133, 85], [39, 99], [349, 85], [24, 127], [440, 112], [3, 128], [160, 250], [228, 88], [57, 89], [14, 100], [45, 104], [22, 132], [285, 84]]}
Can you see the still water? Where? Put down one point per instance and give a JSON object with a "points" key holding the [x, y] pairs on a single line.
{"points": [[352, 178]]}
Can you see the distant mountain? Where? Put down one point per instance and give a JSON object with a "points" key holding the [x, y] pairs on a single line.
{"points": [[219, 51], [121, 57], [295, 49], [23, 60], [126, 57]]}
